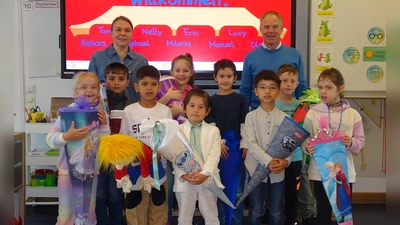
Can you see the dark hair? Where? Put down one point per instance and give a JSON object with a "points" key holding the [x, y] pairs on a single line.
{"points": [[117, 68], [333, 75], [147, 71], [287, 68], [197, 92], [224, 63], [121, 18], [189, 58], [267, 75]]}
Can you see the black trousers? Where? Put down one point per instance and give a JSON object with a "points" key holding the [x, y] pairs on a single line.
{"points": [[292, 180]]}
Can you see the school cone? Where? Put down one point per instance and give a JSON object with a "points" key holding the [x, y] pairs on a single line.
{"points": [[288, 137], [171, 143]]}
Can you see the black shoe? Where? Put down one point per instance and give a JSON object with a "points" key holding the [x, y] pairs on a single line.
{"points": [[309, 221]]}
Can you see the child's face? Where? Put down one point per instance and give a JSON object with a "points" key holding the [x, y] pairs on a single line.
{"points": [[267, 91], [225, 79], [328, 91], [182, 72], [117, 82], [289, 83], [196, 110], [89, 88], [148, 88]]}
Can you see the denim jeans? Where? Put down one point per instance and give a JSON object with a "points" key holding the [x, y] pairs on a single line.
{"points": [[276, 193], [237, 216], [109, 199]]}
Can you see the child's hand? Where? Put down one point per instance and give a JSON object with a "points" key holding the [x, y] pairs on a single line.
{"points": [[174, 94], [158, 157], [75, 134], [175, 109], [347, 141], [310, 148], [224, 151], [102, 116], [197, 178], [244, 153], [278, 165]]}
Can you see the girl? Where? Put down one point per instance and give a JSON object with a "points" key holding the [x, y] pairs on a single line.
{"points": [[85, 84], [182, 70], [206, 141], [341, 117]]}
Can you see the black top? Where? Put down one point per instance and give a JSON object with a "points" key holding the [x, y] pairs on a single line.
{"points": [[228, 111]]}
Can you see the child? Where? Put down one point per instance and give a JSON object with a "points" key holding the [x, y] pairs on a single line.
{"points": [[261, 125], [206, 141], [85, 84], [110, 201], [182, 69], [228, 112], [143, 208], [341, 117], [293, 177]]}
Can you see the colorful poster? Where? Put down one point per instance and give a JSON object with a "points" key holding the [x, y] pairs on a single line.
{"points": [[331, 160], [324, 30], [324, 8], [324, 59]]}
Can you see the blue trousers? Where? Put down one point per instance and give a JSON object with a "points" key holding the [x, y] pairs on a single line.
{"points": [[109, 200], [276, 192]]}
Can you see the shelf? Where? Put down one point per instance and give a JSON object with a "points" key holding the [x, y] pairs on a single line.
{"points": [[38, 128], [47, 192], [41, 160]]}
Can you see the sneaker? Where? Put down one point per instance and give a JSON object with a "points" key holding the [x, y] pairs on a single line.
{"points": [[293, 223], [310, 221]]}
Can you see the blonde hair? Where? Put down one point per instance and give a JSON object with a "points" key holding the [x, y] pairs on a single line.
{"points": [[82, 75], [329, 164], [272, 13], [86, 148]]}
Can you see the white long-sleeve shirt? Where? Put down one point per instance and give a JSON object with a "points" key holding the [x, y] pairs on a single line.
{"points": [[261, 127]]}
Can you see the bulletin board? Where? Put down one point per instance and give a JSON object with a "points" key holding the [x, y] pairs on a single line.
{"points": [[350, 36], [40, 38]]}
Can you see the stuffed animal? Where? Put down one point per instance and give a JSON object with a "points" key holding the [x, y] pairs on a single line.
{"points": [[118, 151]]}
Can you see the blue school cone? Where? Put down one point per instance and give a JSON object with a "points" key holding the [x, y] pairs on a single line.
{"points": [[288, 137], [329, 155], [230, 169], [81, 160]]}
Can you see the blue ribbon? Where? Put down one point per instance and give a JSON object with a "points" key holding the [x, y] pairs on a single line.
{"points": [[158, 131]]}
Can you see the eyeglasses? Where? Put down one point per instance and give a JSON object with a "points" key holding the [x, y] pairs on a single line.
{"points": [[264, 87], [85, 87]]}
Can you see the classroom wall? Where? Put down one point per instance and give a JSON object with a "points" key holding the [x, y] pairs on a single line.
{"points": [[49, 84]]}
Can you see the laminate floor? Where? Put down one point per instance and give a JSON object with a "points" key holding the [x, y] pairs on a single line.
{"points": [[364, 214]]}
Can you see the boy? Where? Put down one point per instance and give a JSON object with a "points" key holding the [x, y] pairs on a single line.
{"points": [[261, 125], [228, 112], [295, 175], [109, 199], [142, 207]]}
